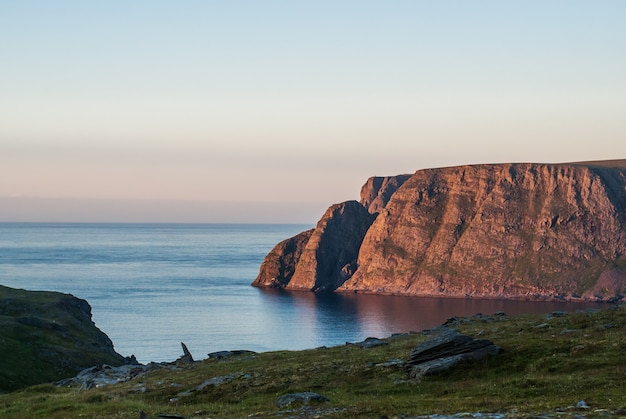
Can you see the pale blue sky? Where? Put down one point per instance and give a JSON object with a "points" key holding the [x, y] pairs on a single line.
{"points": [[296, 102]]}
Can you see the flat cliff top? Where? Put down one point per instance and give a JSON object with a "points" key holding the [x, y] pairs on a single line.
{"points": [[612, 164]]}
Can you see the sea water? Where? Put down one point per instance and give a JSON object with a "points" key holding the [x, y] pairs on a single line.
{"points": [[152, 286]]}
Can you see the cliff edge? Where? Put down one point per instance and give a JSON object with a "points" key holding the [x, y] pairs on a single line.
{"points": [[519, 230]]}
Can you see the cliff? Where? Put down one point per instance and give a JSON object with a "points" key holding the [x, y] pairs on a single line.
{"points": [[531, 231], [320, 259], [47, 336]]}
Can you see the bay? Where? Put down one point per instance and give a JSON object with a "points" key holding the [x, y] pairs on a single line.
{"points": [[152, 286]]}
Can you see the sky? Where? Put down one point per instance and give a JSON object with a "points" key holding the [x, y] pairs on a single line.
{"points": [[270, 111]]}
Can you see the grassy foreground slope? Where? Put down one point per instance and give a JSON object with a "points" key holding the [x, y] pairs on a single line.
{"points": [[46, 336], [548, 365]]}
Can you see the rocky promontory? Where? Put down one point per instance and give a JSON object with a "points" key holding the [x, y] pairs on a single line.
{"points": [[518, 230], [46, 336]]}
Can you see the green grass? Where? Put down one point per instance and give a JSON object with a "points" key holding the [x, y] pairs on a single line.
{"points": [[541, 369]]}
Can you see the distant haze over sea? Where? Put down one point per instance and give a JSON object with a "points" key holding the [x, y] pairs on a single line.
{"points": [[30, 209]]}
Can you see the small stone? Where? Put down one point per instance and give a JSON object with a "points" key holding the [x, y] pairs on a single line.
{"points": [[582, 405], [390, 363], [371, 343]]}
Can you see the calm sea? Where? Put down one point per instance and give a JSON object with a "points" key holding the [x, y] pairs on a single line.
{"points": [[152, 286]]}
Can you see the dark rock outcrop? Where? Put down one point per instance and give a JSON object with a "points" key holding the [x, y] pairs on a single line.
{"points": [[47, 336], [280, 264], [524, 231], [445, 351], [324, 257]]}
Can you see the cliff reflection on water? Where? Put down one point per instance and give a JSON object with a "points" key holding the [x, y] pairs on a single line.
{"points": [[311, 320]]}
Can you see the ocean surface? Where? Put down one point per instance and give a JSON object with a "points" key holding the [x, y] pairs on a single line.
{"points": [[152, 286]]}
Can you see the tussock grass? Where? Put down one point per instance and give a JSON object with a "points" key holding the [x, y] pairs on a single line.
{"points": [[546, 367]]}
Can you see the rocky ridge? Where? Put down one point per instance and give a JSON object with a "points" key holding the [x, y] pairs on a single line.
{"points": [[527, 231]]}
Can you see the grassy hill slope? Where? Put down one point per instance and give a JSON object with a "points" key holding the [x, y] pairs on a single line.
{"points": [[548, 365]]}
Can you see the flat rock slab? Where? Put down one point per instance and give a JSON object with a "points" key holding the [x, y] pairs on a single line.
{"points": [[103, 375], [371, 343], [228, 354], [304, 398], [446, 350], [214, 382]]}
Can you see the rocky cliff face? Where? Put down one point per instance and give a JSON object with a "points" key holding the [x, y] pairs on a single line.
{"points": [[378, 190], [532, 231]]}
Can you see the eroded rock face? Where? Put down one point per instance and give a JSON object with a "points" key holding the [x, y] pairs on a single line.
{"points": [[378, 190], [530, 231], [330, 255]]}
